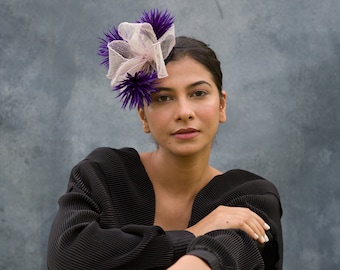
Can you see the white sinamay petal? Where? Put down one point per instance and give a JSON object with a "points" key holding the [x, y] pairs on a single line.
{"points": [[139, 49]]}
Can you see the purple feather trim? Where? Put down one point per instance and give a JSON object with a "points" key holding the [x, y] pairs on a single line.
{"points": [[135, 89], [161, 21], [103, 50]]}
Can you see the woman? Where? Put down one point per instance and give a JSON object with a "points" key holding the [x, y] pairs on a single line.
{"points": [[167, 208]]}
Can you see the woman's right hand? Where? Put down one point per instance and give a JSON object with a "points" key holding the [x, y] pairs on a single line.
{"points": [[226, 217]]}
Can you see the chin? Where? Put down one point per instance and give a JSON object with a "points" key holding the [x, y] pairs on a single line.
{"points": [[189, 150]]}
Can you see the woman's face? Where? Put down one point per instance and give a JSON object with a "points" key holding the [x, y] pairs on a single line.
{"points": [[184, 114]]}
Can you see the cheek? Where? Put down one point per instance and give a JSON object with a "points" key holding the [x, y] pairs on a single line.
{"points": [[157, 121], [209, 113], [210, 118]]}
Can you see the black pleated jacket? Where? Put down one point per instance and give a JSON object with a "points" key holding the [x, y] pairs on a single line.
{"points": [[105, 220]]}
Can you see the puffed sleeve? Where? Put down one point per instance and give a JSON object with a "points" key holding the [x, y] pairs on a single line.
{"points": [[87, 234]]}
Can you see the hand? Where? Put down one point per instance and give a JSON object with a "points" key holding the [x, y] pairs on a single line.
{"points": [[189, 262], [225, 217]]}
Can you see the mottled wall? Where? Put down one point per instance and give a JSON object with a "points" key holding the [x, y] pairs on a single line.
{"points": [[281, 62]]}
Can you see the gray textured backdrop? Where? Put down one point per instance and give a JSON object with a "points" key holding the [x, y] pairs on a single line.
{"points": [[281, 62]]}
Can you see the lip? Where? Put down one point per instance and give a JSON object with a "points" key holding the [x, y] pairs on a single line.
{"points": [[185, 133]]}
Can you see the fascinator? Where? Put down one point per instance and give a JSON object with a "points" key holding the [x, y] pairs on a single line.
{"points": [[134, 55]]}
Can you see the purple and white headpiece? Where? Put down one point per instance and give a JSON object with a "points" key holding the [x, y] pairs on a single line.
{"points": [[134, 54]]}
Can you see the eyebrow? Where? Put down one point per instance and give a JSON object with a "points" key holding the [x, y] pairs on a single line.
{"points": [[192, 85]]}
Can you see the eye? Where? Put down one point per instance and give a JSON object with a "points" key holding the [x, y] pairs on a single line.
{"points": [[199, 93], [162, 98]]}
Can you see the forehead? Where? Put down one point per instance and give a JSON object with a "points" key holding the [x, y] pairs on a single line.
{"points": [[186, 70]]}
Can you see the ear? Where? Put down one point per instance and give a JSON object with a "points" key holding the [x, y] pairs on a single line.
{"points": [[143, 119], [223, 105]]}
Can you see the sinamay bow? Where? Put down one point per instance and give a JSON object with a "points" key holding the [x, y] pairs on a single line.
{"points": [[139, 50]]}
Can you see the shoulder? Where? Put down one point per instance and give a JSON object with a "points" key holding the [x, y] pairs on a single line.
{"points": [[105, 160], [107, 165], [239, 188], [106, 156], [242, 175], [247, 181], [102, 154]]}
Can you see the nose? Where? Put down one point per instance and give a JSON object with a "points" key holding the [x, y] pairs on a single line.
{"points": [[184, 110]]}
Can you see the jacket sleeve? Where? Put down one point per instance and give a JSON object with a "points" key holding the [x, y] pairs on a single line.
{"points": [[84, 234], [234, 249]]}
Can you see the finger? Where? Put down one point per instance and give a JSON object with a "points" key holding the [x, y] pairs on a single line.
{"points": [[249, 230], [259, 226], [261, 221], [266, 226], [258, 229], [257, 237]]}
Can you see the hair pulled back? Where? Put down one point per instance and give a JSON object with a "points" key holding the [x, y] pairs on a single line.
{"points": [[199, 51]]}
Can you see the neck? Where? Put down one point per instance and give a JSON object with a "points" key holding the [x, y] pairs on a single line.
{"points": [[178, 175]]}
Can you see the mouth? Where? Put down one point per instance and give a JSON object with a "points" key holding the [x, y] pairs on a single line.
{"points": [[185, 130], [185, 133]]}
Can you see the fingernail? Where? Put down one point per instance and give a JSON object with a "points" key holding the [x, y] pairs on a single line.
{"points": [[266, 226], [266, 238], [256, 236], [263, 240]]}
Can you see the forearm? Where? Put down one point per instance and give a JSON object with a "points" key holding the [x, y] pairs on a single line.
{"points": [[131, 246], [190, 262], [79, 237], [227, 249]]}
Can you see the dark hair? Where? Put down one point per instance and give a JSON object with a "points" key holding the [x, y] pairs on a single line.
{"points": [[199, 51]]}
